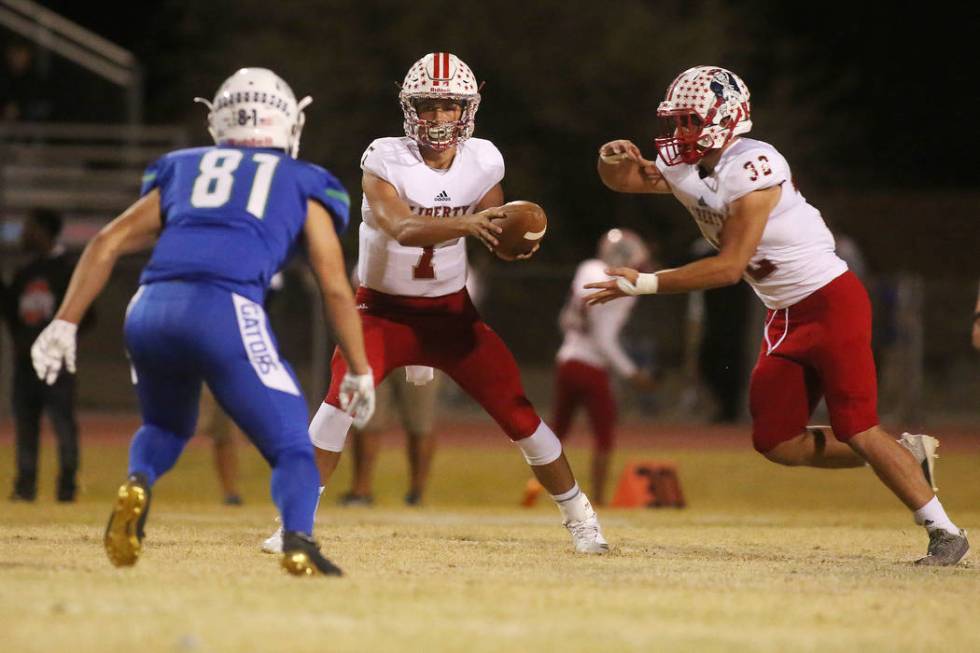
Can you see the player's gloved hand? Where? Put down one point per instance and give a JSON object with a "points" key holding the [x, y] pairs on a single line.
{"points": [[357, 397], [55, 344]]}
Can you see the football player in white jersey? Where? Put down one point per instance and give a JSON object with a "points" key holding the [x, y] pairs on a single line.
{"points": [[591, 350], [424, 193], [817, 335]]}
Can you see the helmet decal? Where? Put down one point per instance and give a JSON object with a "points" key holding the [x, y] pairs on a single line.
{"points": [[704, 108]]}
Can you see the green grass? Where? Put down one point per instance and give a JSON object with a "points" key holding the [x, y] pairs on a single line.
{"points": [[764, 559]]}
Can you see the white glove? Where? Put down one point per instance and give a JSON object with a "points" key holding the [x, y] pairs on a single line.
{"points": [[419, 374], [357, 397], [55, 343]]}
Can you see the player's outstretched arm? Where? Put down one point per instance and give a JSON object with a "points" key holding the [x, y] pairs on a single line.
{"points": [[396, 219], [327, 260], [622, 168], [136, 229], [739, 240]]}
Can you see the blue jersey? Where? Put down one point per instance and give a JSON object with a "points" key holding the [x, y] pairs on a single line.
{"points": [[232, 215]]}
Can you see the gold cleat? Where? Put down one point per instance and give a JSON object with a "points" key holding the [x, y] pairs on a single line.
{"points": [[124, 533], [302, 557], [298, 564]]}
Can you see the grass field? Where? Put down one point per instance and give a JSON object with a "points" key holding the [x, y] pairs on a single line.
{"points": [[764, 559]]}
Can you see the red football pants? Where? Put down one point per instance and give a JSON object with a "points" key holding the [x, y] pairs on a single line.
{"points": [[446, 333], [578, 384], [820, 346]]}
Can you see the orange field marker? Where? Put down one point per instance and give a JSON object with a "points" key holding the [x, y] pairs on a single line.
{"points": [[649, 484]]}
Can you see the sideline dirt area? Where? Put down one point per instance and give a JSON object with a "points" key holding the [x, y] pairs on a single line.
{"points": [[764, 558], [482, 432]]}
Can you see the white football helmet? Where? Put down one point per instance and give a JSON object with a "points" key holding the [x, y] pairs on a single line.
{"points": [[256, 108], [623, 248], [705, 107], [439, 75]]}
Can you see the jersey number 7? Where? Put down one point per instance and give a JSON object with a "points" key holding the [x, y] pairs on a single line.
{"points": [[212, 188]]}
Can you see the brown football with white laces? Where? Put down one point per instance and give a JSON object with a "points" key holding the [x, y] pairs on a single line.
{"points": [[523, 228]]}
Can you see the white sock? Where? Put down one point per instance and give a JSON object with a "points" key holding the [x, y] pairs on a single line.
{"points": [[573, 504], [932, 516], [568, 494]]}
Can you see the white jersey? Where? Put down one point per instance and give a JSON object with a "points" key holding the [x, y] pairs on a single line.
{"points": [[592, 332], [388, 267], [796, 254]]}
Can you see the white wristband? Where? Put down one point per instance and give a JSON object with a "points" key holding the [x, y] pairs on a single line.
{"points": [[646, 284]]}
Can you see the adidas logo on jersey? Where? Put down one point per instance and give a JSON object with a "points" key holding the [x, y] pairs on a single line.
{"points": [[443, 197]]}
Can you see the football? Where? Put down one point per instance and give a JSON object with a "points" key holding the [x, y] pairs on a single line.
{"points": [[523, 228]]}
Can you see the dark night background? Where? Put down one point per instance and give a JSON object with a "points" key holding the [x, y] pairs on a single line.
{"points": [[860, 97], [874, 105]]}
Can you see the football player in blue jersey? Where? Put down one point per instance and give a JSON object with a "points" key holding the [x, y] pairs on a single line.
{"points": [[222, 220]]}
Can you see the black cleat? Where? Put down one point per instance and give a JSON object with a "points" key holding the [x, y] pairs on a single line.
{"points": [[945, 548], [124, 533], [301, 556]]}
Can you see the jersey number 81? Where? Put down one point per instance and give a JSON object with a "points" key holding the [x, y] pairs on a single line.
{"points": [[212, 188]]}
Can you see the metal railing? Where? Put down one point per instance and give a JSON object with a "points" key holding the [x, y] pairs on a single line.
{"points": [[83, 47]]}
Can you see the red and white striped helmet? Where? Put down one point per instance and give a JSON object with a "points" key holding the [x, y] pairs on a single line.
{"points": [[705, 107], [440, 75]]}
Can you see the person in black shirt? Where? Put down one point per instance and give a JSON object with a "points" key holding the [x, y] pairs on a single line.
{"points": [[28, 306]]}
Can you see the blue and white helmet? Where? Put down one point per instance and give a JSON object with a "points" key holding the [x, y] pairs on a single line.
{"points": [[256, 108]]}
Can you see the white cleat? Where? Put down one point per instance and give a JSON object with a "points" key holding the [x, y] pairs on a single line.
{"points": [[587, 534], [923, 447], [273, 544]]}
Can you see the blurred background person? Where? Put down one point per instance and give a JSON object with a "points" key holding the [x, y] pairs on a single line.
{"points": [[35, 292], [22, 93], [411, 394], [590, 350], [221, 429]]}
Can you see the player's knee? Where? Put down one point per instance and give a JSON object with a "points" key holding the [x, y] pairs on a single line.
{"points": [[802, 448], [297, 451], [541, 447], [779, 457], [329, 427], [182, 431]]}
